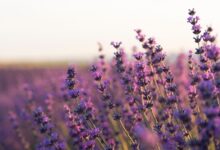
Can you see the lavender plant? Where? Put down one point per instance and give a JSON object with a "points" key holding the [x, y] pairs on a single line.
{"points": [[138, 103]]}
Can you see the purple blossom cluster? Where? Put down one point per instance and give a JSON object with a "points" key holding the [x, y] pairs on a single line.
{"points": [[138, 103]]}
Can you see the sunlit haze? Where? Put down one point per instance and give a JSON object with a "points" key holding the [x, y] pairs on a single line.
{"points": [[55, 30]]}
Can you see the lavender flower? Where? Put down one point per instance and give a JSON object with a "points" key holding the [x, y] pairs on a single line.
{"points": [[138, 102]]}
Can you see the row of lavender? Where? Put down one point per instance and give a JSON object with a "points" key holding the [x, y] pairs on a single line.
{"points": [[139, 103]]}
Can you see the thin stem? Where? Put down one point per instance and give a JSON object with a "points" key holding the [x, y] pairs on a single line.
{"points": [[152, 114], [124, 144], [126, 131]]}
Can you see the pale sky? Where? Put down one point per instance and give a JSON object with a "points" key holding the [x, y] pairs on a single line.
{"points": [[41, 30]]}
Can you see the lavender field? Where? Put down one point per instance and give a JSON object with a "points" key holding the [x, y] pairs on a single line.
{"points": [[138, 102]]}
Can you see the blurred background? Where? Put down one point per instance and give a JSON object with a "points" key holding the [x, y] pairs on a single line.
{"points": [[67, 31]]}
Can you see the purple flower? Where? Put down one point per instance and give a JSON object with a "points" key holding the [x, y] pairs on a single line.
{"points": [[157, 58], [140, 37], [206, 89], [97, 76], [116, 45], [193, 20], [151, 41], [212, 52], [93, 68], [54, 137], [216, 126], [138, 56], [171, 127], [199, 50], [184, 115], [74, 93], [206, 36], [171, 100], [216, 67], [179, 138], [80, 108], [196, 29], [158, 48], [116, 116], [94, 133], [89, 145], [71, 72], [212, 112], [197, 39], [204, 67], [191, 12]]}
